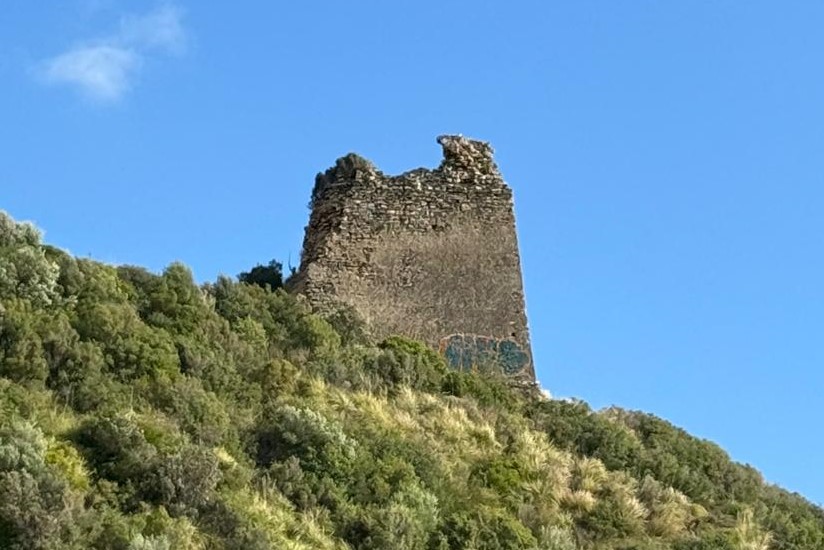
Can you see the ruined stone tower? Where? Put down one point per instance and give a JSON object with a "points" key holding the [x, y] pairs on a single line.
{"points": [[431, 254]]}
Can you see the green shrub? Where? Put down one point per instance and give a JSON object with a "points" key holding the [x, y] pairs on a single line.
{"points": [[406, 362], [25, 271], [351, 327], [490, 529], [501, 474], [116, 448], [21, 346], [406, 522], [199, 413], [34, 503], [319, 444], [184, 482], [488, 389]]}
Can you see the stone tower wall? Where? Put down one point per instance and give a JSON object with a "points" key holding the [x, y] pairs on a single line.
{"points": [[431, 254]]}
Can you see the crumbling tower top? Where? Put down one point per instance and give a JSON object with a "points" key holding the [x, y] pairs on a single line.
{"points": [[468, 154]]}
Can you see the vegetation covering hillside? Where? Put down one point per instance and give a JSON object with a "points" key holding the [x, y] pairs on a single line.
{"points": [[142, 411]]}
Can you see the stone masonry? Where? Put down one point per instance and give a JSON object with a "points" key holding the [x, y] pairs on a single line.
{"points": [[430, 254]]}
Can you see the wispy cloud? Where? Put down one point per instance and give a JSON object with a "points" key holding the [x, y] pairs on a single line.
{"points": [[161, 30], [101, 72], [104, 69]]}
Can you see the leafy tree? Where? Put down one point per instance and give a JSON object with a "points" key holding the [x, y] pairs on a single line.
{"points": [[269, 276]]}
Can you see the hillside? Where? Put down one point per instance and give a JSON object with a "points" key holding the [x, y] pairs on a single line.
{"points": [[142, 411]]}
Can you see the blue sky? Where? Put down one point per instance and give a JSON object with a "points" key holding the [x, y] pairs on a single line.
{"points": [[666, 159]]}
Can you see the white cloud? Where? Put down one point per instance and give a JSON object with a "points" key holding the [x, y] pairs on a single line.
{"points": [[105, 69], [101, 72]]}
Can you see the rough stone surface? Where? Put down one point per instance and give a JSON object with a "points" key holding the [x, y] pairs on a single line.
{"points": [[427, 254]]}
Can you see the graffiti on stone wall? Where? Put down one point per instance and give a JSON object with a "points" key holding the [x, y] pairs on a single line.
{"points": [[469, 351]]}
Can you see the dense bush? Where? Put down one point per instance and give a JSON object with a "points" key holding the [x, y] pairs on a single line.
{"points": [[145, 411]]}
